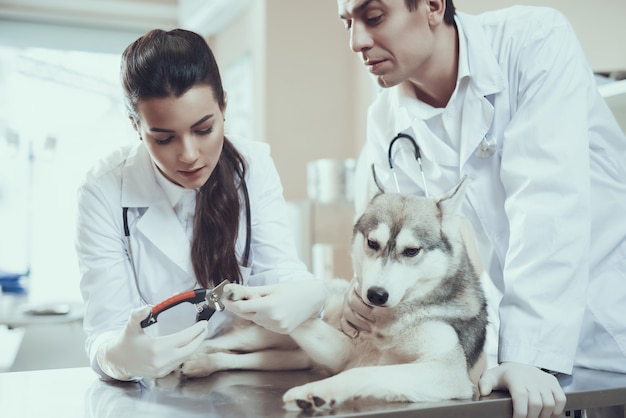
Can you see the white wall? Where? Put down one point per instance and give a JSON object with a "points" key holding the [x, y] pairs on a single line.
{"points": [[598, 24]]}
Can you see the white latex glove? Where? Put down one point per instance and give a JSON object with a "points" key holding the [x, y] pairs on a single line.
{"points": [[357, 315], [535, 393], [279, 307], [135, 354]]}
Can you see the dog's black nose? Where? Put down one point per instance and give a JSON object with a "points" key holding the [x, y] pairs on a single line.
{"points": [[377, 295]]}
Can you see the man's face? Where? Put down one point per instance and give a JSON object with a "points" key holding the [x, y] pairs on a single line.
{"points": [[395, 44]]}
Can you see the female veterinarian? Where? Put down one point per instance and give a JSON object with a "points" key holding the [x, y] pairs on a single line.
{"points": [[184, 208]]}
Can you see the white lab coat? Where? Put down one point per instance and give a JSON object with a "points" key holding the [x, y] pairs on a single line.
{"points": [[550, 203], [160, 245]]}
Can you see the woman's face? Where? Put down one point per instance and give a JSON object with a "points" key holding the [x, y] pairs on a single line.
{"points": [[184, 135]]}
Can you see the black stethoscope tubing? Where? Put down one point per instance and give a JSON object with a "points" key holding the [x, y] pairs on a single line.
{"points": [[418, 158], [245, 258]]}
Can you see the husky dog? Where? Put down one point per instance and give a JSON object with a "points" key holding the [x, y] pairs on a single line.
{"points": [[412, 267]]}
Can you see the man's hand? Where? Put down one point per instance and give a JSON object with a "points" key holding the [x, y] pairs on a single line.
{"points": [[535, 393], [357, 315]]}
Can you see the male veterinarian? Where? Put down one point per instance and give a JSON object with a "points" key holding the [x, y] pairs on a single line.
{"points": [[508, 98]]}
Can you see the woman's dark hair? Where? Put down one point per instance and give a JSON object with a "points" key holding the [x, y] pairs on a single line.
{"points": [[448, 16], [168, 64]]}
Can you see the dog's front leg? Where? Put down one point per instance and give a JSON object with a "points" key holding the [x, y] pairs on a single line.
{"points": [[271, 359], [415, 382], [245, 336], [328, 348]]}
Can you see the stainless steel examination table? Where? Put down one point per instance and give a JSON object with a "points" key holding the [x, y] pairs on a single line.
{"points": [[78, 392]]}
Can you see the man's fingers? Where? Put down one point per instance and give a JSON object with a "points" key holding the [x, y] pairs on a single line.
{"points": [[548, 402], [356, 320], [529, 409], [487, 382], [359, 307], [560, 401], [348, 328]]}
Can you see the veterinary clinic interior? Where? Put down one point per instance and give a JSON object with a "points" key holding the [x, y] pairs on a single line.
{"points": [[291, 82]]}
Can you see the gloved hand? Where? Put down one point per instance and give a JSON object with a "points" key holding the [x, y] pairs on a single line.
{"points": [[534, 392], [357, 315], [279, 307], [135, 354]]}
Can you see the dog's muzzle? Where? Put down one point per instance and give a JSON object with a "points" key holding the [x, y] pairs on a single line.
{"points": [[377, 296]]}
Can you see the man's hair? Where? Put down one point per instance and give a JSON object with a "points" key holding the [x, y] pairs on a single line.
{"points": [[448, 17]]}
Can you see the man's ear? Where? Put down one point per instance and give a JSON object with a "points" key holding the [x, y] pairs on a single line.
{"points": [[436, 11]]}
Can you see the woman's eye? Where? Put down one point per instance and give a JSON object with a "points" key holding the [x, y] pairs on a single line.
{"points": [[163, 141], [205, 131], [411, 252], [373, 244]]}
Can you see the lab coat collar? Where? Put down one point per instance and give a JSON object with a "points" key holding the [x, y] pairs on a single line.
{"points": [[139, 187], [173, 192], [159, 223], [486, 80], [487, 76]]}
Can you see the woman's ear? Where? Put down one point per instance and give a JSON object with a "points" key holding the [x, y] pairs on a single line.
{"points": [[135, 126]]}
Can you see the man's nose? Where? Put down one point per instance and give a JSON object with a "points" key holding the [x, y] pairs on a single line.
{"points": [[360, 39]]}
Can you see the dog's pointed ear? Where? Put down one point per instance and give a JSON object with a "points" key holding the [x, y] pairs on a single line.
{"points": [[450, 203]]}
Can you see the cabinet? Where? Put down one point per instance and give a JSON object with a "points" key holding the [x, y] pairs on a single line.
{"points": [[614, 92]]}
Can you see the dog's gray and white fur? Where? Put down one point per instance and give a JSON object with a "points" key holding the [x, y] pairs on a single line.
{"points": [[411, 265]]}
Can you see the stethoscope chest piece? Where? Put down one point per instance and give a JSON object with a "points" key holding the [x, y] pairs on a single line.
{"points": [[486, 148]]}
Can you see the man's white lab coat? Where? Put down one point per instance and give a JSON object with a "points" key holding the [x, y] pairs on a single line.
{"points": [[551, 200]]}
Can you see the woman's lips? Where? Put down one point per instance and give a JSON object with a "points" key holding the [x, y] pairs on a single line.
{"points": [[191, 173]]}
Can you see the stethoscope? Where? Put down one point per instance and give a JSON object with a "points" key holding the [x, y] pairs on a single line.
{"points": [[246, 254], [486, 149], [418, 158]]}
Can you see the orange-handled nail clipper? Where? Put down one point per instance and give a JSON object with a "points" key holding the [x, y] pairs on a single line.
{"points": [[207, 301]]}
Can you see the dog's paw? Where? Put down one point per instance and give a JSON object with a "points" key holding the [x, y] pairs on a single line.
{"points": [[199, 365], [306, 398], [235, 292]]}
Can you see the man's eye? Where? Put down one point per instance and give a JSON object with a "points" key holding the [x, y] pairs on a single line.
{"points": [[374, 19]]}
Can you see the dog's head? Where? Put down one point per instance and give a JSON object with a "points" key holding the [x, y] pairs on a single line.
{"points": [[404, 244]]}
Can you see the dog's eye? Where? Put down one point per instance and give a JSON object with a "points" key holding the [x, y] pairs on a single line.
{"points": [[410, 252], [373, 244]]}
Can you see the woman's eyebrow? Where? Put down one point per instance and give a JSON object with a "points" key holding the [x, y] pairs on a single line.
{"points": [[204, 119], [207, 117]]}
